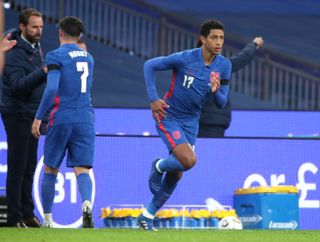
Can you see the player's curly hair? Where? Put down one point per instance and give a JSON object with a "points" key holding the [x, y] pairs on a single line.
{"points": [[210, 24], [71, 26]]}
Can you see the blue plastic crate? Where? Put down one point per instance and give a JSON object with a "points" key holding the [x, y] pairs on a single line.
{"points": [[268, 207]]}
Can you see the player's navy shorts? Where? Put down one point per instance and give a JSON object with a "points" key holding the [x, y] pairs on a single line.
{"points": [[174, 132], [77, 139]]}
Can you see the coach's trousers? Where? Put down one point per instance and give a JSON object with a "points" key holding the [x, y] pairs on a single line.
{"points": [[21, 160], [211, 131]]}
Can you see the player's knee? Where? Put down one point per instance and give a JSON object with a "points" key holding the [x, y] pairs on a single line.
{"points": [[79, 170], [192, 162], [51, 170], [189, 161]]}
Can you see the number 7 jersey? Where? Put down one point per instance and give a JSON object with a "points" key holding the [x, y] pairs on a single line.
{"points": [[72, 101]]}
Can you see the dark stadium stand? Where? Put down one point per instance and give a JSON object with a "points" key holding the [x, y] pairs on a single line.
{"points": [[119, 78], [288, 26]]}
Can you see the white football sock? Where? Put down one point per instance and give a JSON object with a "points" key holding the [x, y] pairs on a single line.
{"points": [[86, 203], [157, 166], [147, 214], [48, 217]]}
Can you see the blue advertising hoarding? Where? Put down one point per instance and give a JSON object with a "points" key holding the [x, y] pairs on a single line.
{"points": [[244, 123], [122, 165]]}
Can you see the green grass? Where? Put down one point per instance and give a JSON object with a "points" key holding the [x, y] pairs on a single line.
{"points": [[124, 235]]}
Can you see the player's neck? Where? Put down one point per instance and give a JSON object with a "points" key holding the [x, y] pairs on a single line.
{"points": [[207, 56], [63, 41]]}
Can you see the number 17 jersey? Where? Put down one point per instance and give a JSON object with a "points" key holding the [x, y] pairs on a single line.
{"points": [[72, 102]]}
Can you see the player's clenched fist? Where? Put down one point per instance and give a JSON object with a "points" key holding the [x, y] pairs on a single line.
{"points": [[215, 81]]}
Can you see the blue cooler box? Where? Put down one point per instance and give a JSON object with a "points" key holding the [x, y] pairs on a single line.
{"points": [[268, 207]]}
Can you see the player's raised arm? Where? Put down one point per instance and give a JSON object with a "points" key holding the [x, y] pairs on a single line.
{"points": [[222, 93]]}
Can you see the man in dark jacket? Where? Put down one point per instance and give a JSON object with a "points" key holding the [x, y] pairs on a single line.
{"points": [[215, 120], [23, 83]]}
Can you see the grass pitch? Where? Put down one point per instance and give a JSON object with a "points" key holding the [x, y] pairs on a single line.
{"points": [[134, 235]]}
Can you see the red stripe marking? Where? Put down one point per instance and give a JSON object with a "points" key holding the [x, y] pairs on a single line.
{"points": [[169, 94], [171, 141], [165, 96], [56, 106], [173, 80]]}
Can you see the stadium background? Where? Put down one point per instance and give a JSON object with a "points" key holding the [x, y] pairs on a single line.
{"points": [[270, 143], [122, 163]]}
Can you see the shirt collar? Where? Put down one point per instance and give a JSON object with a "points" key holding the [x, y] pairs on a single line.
{"points": [[33, 45]]}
